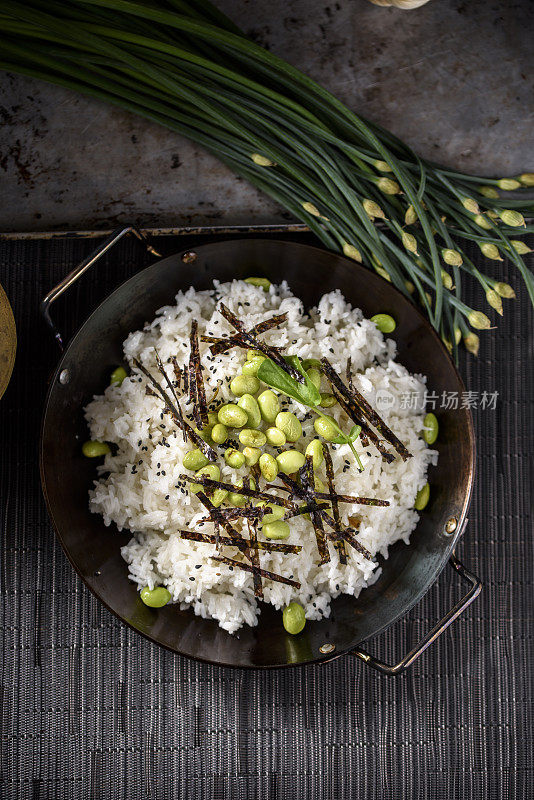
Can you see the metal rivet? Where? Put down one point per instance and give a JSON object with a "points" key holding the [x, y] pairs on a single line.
{"points": [[451, 525], [190, 257], [98, 573], [327, 648], [64, 376]]}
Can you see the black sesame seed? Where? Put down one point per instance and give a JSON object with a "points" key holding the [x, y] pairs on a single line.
{"points": [[167, 497], [198, 566]]}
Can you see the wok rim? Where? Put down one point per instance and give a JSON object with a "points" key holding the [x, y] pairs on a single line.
{"points": [[321, 659]]}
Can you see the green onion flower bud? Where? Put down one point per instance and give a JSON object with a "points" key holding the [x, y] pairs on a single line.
{"points": [[471, 205], [373, 210], [447, 343], [508, 184], [489, 191], [504, 290], [383, 166], [520, 247], [352, 252], [311, 209], [479, 321], [410, 286], [490, 251], [472, 343], [409, 242], [446, 279], [388, 186], [527, 178], [411, 216], [512, 218], [482, 222], [262, 161], [457, 335], [452, 257], [494, 300], [383, 274], [492, 214]]}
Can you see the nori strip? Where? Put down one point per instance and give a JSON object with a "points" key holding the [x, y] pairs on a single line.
{"points": [[239, 542], [177, 371], [357, 399], [339, 545], [222, 344], [254, 557], [177, 415], [367, 433], [345, 498], [306, 478], [209, 483], [196, 379], [306, 509], [263, 572]]}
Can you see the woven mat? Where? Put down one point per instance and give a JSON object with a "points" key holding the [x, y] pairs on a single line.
{"points": [[91, 710]]}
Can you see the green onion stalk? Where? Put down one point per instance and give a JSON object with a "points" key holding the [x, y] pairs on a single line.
{"points": [[361, 190]]}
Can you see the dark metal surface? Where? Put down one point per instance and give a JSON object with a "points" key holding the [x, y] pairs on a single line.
{"points": [[94, 549], [455, 79]]}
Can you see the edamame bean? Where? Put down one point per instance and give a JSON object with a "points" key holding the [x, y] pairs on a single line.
{"points": [[268, 467], [252, 438], [157, 597], [315, 450], [218, 497], [275, 437], [232, 416], [244, 384], [324, 427], [290, 461], [312, 363], [234, 458], [250, 405], [263, 283], [95, 449], [384, 322], [252, 455], [276, 512], [289, 424], [250, 368], [422, 497], [254, 354], [327, 401], [236, 499], [195, 459], [219, 433], [117, 376], [275, 530], [269, 406], [315, 376], [209, 471], [430, 434], [212, 418], [294, 618]]}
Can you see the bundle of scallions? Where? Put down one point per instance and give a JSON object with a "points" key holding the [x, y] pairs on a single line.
{"points": [[183, 64]]}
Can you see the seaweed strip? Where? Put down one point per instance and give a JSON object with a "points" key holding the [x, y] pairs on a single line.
{"points": [[346, 498], [358, 400], [209, 483], [367, 433], [306, 477], [177, 371], [339, 545], [195, 376], [177, 415], [263, 572], [306, 509], [239, 542], [222, 344], [254, 557]]}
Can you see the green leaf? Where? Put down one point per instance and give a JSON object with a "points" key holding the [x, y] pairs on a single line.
{"points": [[277, 378]]}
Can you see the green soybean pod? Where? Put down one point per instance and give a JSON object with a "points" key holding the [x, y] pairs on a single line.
{"points": [[250, 405], [95, 449], [324, 427], [315, 377], [279, 529], [290, 461], [275, 437], [268, 467], [269, 406], [234, 458], [315, 450], [232, 416], [117, 376], [250, 368], [157, 597], [244, 384], [263, 283], [252, 455], [252, 438], [430, 434], [289, 424], [219, 433], [327, 400], [294, 618], [195, 459], [384, 322], [422, 497]]}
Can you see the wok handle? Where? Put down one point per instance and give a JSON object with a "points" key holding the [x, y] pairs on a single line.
{"points": [[437, 630], [82, 267]]}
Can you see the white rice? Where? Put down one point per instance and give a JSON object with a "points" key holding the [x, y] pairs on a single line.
{"points": [[137, 490]]}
